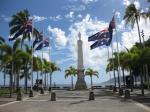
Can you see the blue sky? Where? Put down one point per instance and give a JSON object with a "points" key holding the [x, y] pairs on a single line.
{"points": [[61, 20]]}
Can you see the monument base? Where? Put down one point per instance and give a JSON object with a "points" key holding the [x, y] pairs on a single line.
{"points": [[80, 84]]}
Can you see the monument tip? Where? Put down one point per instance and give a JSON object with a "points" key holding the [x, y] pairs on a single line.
{"points": [[79, 35]]}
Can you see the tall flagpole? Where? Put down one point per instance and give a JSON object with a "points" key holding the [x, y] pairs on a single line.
{"points": [[32, 55], [42, 60], [49, 72], [118, 59], [109, 66], [31, 92], [113, 64]]}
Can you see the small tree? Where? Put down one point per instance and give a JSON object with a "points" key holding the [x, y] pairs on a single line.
{"points": [[71, 71], [90, 72]]}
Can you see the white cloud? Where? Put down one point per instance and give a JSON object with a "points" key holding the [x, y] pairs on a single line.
{"points": [[118, 14], [55, 18], [92, 58], [137, 4], [70, 15], [88, 1], [39, 18], [79, 16], [75, 8], [58, 36], [5, 18], [45, 55], [129, 38], [128, 2]]}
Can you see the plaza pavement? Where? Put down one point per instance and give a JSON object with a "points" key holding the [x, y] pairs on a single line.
{"points": [[76, 101]]}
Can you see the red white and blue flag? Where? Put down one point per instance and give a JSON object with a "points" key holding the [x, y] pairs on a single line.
{"points": [[44, 43], [103, 37]]}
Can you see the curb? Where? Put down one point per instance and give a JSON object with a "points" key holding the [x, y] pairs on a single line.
{"points": [[24, 99], [145, 107]]}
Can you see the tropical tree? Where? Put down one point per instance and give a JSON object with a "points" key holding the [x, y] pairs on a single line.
{"points": [[90, 72], [46, 70], [37, 66], [111, 66], [71, 71], [15, 58], [121, 56], [25, 58], [53, 68], [21, 25], [2, 41], [132, 16]]}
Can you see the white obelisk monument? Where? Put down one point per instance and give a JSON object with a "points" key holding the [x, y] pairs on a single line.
{"points": [[80, 84]]}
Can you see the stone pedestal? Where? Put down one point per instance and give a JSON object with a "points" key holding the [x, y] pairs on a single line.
{"points": [[121, 92], [80, 84], [91, 95], [53, 96], [30, 93], [19, 96], [127, 94]]}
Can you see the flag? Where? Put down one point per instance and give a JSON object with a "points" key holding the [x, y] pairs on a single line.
{"points": [[93, 37], [40, 46], [112, 23], [97, 36], [38, 39], [111, 27], [99, 43], [26, 28], [44, 43], [103, 40]]}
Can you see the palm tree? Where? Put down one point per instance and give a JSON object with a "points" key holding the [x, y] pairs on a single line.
{"points": [[2, 41], [53, 68], [12, 53], [21, 25], [71, 71], [46, 69], [132, 16], [111, 66], [90, 72], [122, 59], [25, 58], [37, 65]]}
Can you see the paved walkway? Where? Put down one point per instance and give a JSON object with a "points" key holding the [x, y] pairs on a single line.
{"points": [[76, 101]]}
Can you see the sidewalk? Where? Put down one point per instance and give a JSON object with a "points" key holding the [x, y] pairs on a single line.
{"points": [[136, 96], [6, 99]]}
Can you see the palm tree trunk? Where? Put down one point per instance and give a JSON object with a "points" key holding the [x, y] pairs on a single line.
{"points": [[142, 85], [10, 85], [26, 84], [138, 30], [91, 83], [115, 78], [4, 76], [123, 77], [26, 79], [37, 81], [45, 80], [50, 81], [131, 81], [135, 77], [72, 82], [118, 77], [18, 82]]}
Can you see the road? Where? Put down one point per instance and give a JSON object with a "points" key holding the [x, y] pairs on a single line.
{"points": [[75, 101]]}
